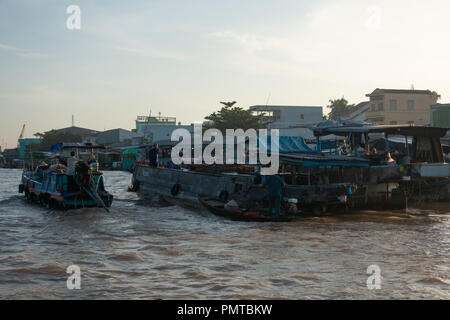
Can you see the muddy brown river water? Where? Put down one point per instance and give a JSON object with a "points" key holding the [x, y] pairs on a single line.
{"points": [[138, 251]]}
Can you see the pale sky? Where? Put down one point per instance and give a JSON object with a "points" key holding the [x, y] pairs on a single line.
{"points": [[182, 57]]}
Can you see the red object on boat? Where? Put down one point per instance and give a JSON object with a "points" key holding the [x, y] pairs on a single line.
{"points": [[252, 214]]}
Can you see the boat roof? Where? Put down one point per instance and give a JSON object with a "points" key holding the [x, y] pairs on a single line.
{"points": [[82, 146], [404, 130]]}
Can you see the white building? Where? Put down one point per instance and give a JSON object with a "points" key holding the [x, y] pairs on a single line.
{"points": [[155, 133], [290, 120], [158, 128]]}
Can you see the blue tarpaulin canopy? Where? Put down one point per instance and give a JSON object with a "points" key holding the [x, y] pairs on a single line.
{"points": [[286, 144], [56, 147]]}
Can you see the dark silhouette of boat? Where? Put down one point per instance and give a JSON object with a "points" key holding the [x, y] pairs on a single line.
{"points": [[217, 207]]}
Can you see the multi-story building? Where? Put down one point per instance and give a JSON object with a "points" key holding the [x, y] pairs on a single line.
{"points": [[440, 117], [24, 143], [159, 128], [143, 122], [393, 106], [290, 120]]}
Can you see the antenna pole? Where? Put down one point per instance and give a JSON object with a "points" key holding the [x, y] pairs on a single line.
{"points": [[268, 98]]}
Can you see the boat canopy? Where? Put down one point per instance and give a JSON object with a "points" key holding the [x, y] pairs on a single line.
{"points": [[75, 145], [286, 144], [342, 129]]}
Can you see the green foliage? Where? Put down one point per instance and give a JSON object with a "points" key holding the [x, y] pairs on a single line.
{"points": [[338, 108], [230, 117], [53, 137]]}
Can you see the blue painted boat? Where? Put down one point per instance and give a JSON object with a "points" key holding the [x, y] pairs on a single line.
{"points": [[52, 187]]}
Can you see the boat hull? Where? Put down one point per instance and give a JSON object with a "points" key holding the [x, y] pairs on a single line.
{"points": [[219, 210], [53, 192]]}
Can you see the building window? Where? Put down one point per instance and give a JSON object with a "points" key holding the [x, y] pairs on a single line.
{"points": [[393, 122], [302, 116], [276, 115], [410, 105], [380, 107], [373, 107], [393, 105]]}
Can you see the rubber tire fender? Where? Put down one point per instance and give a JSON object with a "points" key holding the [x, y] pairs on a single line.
{"points": [[175, 189], [223, 195]]}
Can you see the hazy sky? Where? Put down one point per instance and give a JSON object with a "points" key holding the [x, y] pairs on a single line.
{"points": [[181, 57]]}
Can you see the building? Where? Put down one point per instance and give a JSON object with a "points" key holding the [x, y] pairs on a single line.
{"points": [[143, 121], [290, 119], [159, 128], [358, 112], [393, 106], [11, 158], [115, 136], [154, 133], [440, 117], [24, 144], [87, 135]]}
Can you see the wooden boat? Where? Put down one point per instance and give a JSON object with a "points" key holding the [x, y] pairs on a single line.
{"points": [[51, 187], [217, 207]]}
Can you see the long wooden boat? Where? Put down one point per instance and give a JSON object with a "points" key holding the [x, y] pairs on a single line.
{"points": [[217, 207]]}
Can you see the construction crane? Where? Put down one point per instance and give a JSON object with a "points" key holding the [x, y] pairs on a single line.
{"points": [[21, 134]]}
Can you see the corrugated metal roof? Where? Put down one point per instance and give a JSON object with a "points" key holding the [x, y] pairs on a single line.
{"points": [[398, 91], [408, 130]]}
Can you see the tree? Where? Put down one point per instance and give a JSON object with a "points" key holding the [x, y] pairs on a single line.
{"points": [[53, 137], [230, 117], [338, 108]]}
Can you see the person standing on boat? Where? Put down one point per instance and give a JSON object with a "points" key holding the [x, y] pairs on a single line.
{"points": [[153, 156], [275, 185], [71, 164]]}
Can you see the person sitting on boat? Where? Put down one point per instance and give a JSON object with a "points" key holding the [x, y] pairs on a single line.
{"points": [[153, 156], [93, 163], [170, 164], [275, 186], [41, 169], [344, 149], [361, 150], [389, 159], [71, 162]]}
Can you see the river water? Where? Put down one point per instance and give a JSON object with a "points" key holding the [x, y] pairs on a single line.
{"points": [[138, 251]]}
